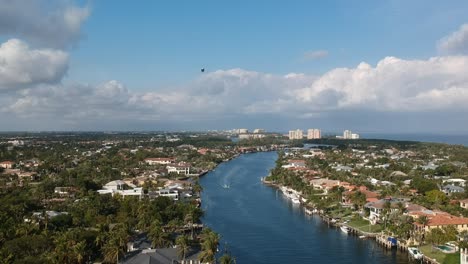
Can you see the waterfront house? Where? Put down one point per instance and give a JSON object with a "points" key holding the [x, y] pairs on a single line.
{"points": [[456, 182], [439, 219], [171, 193], [296, 163], [414, 210], [324, 184], [121, 188], [203, 151], [179, 168], [430, 166], [370, 195], [163, 161], [449, 189], [292, 163], [377, 208], [7, 164]]}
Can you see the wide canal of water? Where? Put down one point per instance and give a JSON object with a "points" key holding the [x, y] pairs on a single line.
{"points": [[259, 225]]}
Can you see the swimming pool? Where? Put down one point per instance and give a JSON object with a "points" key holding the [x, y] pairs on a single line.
{"points": [[446, 248]]}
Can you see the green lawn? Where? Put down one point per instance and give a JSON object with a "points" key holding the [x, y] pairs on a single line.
{"points": [[363, 225], [452, 258], [340, 212], [441, 257]]}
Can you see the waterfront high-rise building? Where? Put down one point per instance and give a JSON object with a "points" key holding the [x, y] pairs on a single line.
{"points": [[347, 134], [296, 134], [259, 131], [313, 133], [242, 131]]}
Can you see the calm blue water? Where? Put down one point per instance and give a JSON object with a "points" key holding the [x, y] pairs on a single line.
{"points": [[260, 226]]}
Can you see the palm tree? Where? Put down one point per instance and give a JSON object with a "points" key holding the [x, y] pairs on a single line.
{"points": [[5, 257], [116, 243], [386, 211], [435, 236], [183, 246], [450, 233], [197, 188], [25, 229], [157, 236], [227, 259], [423, 220], [144, 215], [209, 245], [189, 220], [111, 251], [401, 207], [102, 235], [358, 199], [174, 225], [122, 233], [61, 253], [80, 251]]}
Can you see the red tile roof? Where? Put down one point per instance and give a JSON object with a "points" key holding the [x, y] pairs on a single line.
{"points": [[445, 219]]}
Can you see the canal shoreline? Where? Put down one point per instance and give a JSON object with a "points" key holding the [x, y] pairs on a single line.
{"points": [[378, 238], [324, 217], [241, 201], [203, 173]]}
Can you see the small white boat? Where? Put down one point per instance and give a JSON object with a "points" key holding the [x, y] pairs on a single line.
{"points": [[344, 229], [415, 253], [295, 200], [362, 237], [307, 211]]}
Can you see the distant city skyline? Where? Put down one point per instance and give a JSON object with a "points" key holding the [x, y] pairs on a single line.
{"points": [[367, 66]]}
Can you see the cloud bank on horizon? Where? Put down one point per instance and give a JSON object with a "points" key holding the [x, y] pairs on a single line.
{"points": [[35, 61]]}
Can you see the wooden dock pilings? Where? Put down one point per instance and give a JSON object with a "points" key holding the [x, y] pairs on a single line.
{"points": [[384, 242]]}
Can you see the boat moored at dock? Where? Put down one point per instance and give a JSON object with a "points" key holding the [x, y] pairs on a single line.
{"points": [[415, 253], [344, 229], [295, 200]]}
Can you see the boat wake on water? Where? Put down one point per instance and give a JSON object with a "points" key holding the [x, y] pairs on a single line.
{"points": [[225, 186]]}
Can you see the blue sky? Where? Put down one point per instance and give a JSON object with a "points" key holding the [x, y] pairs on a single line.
{"points": [[156, 43], [370, 66], [168, 41]]}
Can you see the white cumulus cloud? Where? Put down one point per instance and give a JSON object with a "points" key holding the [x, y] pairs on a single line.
{"points": [[393, 86], [456, 42], [21, 66], [49, 23]]}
